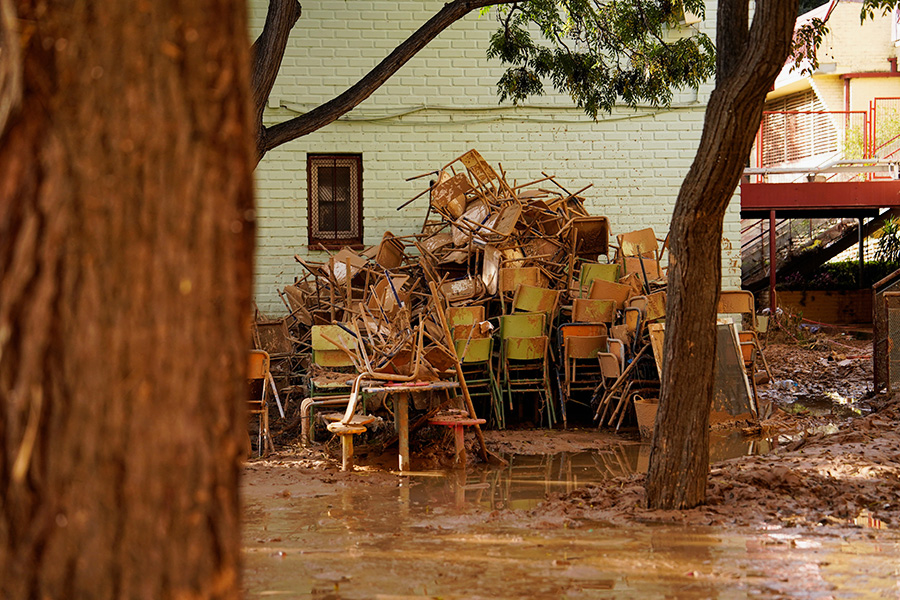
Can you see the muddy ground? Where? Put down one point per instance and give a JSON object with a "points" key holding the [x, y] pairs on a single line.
{"points": [[836, 454], [827, 460]]}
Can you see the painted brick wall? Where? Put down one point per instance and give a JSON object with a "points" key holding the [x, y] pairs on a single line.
{"points": [[440, 105], [855, 46]]}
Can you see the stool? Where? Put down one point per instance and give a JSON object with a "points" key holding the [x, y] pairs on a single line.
{"points": [[457, 422], [346, 431]]}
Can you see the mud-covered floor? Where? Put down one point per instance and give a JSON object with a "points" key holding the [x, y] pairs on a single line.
{"points": [[808, 506]]}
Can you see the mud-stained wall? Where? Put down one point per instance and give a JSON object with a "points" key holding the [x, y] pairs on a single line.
{"points": [[441, 104]]}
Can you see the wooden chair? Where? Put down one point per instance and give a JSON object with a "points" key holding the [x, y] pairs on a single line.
{"points": [[607, 290], [258, 374], [578, 344], [586, 310], [741, 302], [641, 242], [464, 315]]}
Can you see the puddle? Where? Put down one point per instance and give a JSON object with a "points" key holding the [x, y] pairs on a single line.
{"points": [[410, 542], [813, 401], [436, 534], [529, 478], [826, 406]]}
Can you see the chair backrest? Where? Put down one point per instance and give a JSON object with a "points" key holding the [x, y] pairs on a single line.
{"points": [[534, 299], [638, 302], [607, 290], [464, 315], [321, 333], [656, 306], [617, 349], [582, 330], [523, 325], [650, 266], [737, 302], [585, 310], [621, 332], [609, 365], [641, 242], [585, 346], [475, 331], [328, 354], [258, 365], [748, 348], [477, 350], [384, 298], [592, 271], [526, 348], [508, 278], [632, 318]]}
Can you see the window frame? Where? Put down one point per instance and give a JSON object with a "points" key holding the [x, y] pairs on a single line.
{"points": [[355, 240]]}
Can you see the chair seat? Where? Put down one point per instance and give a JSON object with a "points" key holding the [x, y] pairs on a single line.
{"points": [[356, 420], [341, 429]]}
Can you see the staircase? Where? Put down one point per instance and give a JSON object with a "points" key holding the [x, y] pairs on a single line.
{"points": [[802, 245]]}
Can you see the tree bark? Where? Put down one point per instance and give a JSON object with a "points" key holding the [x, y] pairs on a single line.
{"points": [[126, 238], [266, 55], [276, 38], [747, 64]]}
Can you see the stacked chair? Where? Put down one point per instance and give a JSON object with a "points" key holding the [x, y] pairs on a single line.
{"points": [[524, 357], [474, 347]]}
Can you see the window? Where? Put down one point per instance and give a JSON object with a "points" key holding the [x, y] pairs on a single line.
{"points": [[335, 199]]}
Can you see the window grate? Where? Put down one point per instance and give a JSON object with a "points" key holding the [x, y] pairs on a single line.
{"points": [[335, 199]]}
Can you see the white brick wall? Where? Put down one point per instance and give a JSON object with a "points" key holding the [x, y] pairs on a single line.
{"points": [[855, 46], [635, 159]]}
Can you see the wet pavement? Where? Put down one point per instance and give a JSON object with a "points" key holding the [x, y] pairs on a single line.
{"points": [[441, 535]]}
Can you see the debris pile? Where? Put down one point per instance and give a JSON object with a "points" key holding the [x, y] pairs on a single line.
{"points": [[509, 290]]}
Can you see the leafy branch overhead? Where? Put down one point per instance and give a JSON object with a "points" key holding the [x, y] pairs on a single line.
{"points": [[601, 52]]}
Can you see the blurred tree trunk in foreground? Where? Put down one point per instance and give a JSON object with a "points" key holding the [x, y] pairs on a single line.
{"points": [[126, 240]]}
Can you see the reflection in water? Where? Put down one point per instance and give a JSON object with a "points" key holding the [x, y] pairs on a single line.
{"points": [[434, 537], [528, 479]]}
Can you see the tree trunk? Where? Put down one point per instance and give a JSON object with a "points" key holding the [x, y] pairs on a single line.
{"points": [[126, 233], [747, 64]]}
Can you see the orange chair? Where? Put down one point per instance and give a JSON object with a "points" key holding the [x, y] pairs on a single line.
{"points": [[258, 370]]}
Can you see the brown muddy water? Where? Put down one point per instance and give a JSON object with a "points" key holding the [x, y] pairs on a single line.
{"points": [[440, 534]]}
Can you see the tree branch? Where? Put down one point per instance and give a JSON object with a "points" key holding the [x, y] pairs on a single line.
{"points": [[324, 114], [266, 55]]}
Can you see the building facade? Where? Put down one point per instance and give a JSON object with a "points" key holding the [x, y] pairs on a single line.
{"points": [[848, 107], [439, 105]]}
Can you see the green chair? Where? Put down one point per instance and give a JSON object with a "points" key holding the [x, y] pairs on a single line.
{"points": [[524, 358], [532, 299], [475, 356], [509, 279], [331, 373], [593, 271], [464, 315]]}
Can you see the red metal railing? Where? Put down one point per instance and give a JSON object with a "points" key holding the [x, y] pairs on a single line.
{"points": [[786, 137]]}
